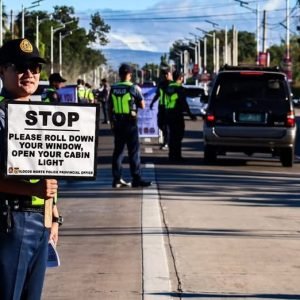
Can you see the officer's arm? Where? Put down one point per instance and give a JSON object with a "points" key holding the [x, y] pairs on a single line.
{"points": [[139, 98], [155, 98], [142, 104], [45, 189]]}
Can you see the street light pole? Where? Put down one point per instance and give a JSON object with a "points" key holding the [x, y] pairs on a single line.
{"points": [[38, 22], [35, 4], [51, 45], [51, 42], [61, 37]]}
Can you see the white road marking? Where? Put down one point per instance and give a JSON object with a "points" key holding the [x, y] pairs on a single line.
{"points": [[148, 150], [156, 276]]}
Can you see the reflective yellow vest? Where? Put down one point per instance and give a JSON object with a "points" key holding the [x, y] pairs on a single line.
{"points": [[173, 96], [121, 98]]}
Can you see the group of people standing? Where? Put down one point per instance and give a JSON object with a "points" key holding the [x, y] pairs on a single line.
{"points": [[124, 100], [172, 105]]}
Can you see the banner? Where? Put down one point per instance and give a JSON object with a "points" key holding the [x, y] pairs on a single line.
{"points": [[47, 140], [147, 118], [68, 94]]}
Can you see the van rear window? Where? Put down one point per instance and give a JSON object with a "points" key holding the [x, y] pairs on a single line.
{"points": [[259, 88]]}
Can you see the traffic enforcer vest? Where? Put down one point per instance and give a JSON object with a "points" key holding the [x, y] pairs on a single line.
{"points": [[45, 95], [121, 98], [172, 95]]}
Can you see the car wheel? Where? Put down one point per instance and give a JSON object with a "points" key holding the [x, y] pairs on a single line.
{"points": [[287, 157], [210, 154]]}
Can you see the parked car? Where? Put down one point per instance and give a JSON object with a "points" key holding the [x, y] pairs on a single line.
{"points": [[250, 109], [196, 97]]}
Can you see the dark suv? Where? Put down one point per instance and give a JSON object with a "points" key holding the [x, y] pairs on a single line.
{"points": [[250, 110]]}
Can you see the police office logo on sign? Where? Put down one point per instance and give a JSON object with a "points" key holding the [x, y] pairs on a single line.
{"points": [[51, 140]]}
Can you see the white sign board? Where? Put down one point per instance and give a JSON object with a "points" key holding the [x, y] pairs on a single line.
{"points": [[147, 118], [51, 140]]}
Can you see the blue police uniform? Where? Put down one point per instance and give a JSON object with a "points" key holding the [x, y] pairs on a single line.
{"points": [[24, 246]]}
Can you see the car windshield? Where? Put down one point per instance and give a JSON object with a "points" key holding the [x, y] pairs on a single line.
{"points": [[260, 87]]}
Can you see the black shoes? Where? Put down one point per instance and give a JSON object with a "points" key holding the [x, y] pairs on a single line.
{"points": [[120, 184], [140, 183]]}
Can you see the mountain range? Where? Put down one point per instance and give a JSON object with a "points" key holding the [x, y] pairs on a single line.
{"points": [[117, 56]]}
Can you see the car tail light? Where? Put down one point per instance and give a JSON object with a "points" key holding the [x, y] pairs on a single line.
{"points": [[290, 119], [210, 119]]}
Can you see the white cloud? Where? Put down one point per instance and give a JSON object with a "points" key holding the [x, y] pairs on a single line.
{"points": [[152, 29], [273, 4]]}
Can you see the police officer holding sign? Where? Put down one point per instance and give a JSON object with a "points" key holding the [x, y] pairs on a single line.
{"points": [[23, 235], [124, 99]]}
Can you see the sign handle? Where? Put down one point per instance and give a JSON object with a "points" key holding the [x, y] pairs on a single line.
{"points": [[48, 213]]}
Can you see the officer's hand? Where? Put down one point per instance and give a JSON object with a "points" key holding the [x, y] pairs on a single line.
{"points": [[54, 233], [45, 189]]}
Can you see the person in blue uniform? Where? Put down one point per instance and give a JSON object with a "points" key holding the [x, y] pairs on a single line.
{"points": [[175, 108], [23, 235], [124, 100]]}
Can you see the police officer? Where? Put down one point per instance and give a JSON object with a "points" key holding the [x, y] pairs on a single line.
{"points": [[23, 236], [50, 94], [176, 106], [102, 97], [81, 91], [124, 99], [89, 95], [166, 76]]}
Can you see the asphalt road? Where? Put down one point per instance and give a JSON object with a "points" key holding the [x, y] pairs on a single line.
{"points": [[223, 231]]}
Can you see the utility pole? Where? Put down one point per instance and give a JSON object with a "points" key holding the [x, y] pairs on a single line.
{"points": [[287, 29], [264, 31]]}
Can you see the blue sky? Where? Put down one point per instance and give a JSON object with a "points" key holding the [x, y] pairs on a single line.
{"points": [[82, 5], [155, 25]]}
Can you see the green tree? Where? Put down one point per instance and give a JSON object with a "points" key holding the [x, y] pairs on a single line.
{"points": [[98, 30]]}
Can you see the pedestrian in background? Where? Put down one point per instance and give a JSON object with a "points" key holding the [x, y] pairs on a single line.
{"points": [[50, 95], [89, 95], [23, 236], [176, 106], [166, 79], [124, 100], [102, 97], [81, 91]]}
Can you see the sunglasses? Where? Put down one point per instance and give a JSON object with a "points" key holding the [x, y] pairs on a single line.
{"points": [[34, 68]]}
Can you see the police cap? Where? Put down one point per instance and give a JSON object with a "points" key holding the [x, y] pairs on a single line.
{"points": [[125, 69], [55, 77], [19, 51]]}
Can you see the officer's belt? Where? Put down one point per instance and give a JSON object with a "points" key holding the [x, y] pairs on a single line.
{"points": [[23, 203]]}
